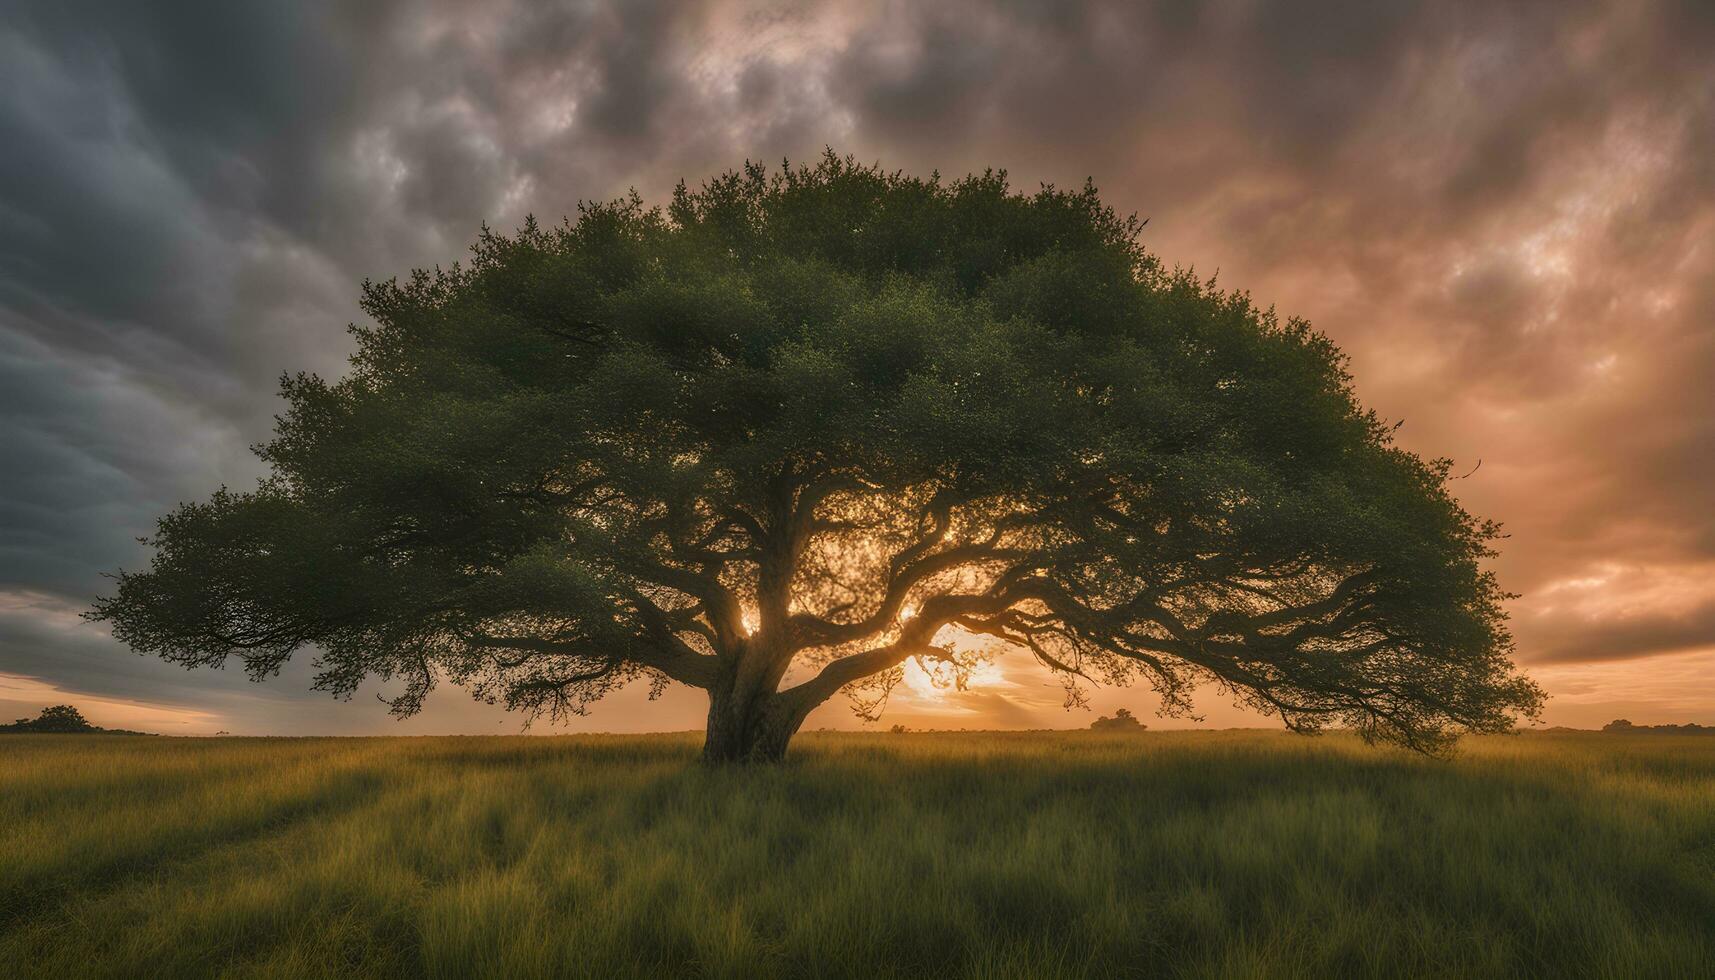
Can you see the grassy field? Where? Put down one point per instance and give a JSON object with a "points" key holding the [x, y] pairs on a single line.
{"points": [[1237, 854]]}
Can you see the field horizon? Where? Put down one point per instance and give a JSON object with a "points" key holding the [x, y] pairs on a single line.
{"points": [[853, 732], [1236, 853], [877, 730]]}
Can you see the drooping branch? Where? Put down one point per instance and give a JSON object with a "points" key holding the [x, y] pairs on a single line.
{"points": [[1230, 644], [660, 652]]}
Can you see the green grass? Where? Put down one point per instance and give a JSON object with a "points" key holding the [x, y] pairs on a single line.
{"points": [[1237, 854]]}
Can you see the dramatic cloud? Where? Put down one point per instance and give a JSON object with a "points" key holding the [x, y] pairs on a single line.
{"points": [[1503, 212]]}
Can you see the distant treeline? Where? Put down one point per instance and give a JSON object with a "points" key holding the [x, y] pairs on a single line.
{"points": [[1623, 727], [61, 719]]}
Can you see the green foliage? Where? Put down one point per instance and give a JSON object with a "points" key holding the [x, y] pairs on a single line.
{"points": [[820, 421], [1028, 855]]}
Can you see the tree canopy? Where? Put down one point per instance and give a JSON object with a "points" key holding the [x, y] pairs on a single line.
{"points": [[803, 425]]}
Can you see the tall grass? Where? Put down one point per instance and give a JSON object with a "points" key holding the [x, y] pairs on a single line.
{"points": [[1236, 854]]}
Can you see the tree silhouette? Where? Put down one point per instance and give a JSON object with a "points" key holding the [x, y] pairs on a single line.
{"points": [[60, 718], [1122, 721], [803, 426]]}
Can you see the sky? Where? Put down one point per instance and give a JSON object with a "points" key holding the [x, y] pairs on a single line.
{"points": [[1504, 214]]}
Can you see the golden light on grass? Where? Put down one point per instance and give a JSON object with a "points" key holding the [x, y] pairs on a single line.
{"points": [[991, 854]]}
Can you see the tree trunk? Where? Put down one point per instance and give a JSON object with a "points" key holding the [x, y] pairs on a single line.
{"points": [[753, 729]]}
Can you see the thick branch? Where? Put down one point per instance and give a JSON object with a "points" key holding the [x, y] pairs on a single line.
{"points": [[809, 630], [915, 638]]}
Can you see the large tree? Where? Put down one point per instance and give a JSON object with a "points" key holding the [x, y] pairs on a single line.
{"points": [[803, 426]]}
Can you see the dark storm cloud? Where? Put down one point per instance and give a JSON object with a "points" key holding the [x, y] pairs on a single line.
{"points": [[1575, 639], [1502, 211], [192, 193], [87, 661]]}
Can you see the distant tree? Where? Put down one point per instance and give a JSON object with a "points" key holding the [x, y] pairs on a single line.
{"points": [[1122, 721], [56, 719], [1624, 727], [64, 718], [801, 427]]}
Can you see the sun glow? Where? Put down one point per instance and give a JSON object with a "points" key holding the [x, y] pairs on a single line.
{"points": [[928, 684]]}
